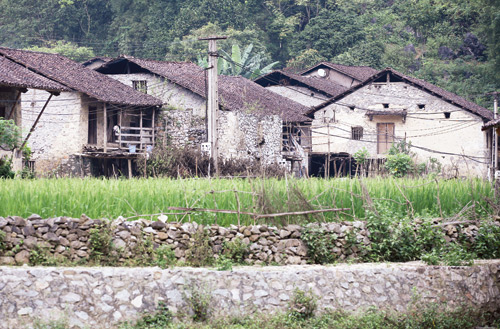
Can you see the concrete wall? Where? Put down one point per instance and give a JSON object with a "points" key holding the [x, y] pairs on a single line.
{"points": [[102, 297], [335, 76], [299, 94], [61, 131], [426, 128]]}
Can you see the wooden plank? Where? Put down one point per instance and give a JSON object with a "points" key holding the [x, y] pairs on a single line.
{"points": [[140, 131], [153, 126], [138, 128], [120, 125], [129, 163]]}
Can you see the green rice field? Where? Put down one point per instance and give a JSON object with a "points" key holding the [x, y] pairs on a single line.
{"points": [[102, 198]]}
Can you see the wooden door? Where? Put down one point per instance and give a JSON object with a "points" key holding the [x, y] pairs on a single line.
{"points": [[385, 137]]}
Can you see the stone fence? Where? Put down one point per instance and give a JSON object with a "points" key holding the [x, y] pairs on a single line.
{"points": [[69, 238], [103, 297]]}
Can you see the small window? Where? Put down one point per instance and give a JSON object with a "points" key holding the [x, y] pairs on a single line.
{"points": [[421, 106], [3, 113], [140, 85], [312, 94], [356, 133], [352, 108], [447, 115], [386, 106]]}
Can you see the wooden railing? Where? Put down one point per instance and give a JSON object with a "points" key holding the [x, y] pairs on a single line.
{"points": [[135, 136]]}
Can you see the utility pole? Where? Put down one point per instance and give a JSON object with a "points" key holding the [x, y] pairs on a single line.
{"points": [[494, 143], [213, 99]]}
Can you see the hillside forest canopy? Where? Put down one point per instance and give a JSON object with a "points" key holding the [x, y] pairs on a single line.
{"points": [[451, 43]]}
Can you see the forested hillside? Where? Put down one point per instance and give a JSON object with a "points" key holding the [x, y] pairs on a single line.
{"points": [[452, 43]]}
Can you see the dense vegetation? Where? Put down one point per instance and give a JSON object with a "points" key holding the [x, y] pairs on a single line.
{"points": [[100, 198], [452, 43]]}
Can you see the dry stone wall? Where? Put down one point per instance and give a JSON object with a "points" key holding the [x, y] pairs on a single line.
{"points": [[103, 297], [69, 238]]}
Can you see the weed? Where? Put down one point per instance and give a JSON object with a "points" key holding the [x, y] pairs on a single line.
{"points": [[52, 324], [235, 250], [198, 298], [160, 319], [487, 243], [302, 304], [165, 256], [319, 244], [3, 245], [40, 255], [199, 252], [224, 263], [100, 243], [450, 255]]}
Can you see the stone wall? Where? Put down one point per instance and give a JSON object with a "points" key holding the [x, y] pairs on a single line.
{"points": [[69, 238], [102, 297]]}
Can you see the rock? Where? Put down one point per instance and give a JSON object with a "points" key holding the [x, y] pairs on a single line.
{"points": [[18, 221], [64, 242], [82, 254], [254, 238], [119, 243], [247, 232], [293, 260], [3, 222], [76, 244], [30, 242], [158, 225], [255, 229], [71, 298], [28, 230], [51, 237], [162, 236], [25, 311], [137, 301], [34, 217], [5, 260], [22, 257], [124, 235], [284, 234], [123, 296]]}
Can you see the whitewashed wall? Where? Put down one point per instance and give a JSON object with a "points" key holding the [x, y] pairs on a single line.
{"points": [[61, 131], [300, 95], [427, 128]]}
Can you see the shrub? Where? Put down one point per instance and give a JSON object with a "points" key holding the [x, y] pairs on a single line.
{"points": [[6, 168], [198, 298], [160, 319], [2, 241], [224, 263], [449, 255], [302, 304], [399, 165], [100, 243], [235, 250], [199, 252], [319, 244], [40, 255], [165, 256], [487, 243]]}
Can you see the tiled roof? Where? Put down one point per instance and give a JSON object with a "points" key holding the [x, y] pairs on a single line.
{"points": [[418, 83], [359, 73], [79, 78], [235, 93], [15, 75], [325, 86]]}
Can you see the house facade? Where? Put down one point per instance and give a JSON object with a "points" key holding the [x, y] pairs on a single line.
{"points": [[73, 134], [250, 118], [344, 75], [390, 107]]}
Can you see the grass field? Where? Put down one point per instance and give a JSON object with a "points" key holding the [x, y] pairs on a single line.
{"points": [[99, 198]]}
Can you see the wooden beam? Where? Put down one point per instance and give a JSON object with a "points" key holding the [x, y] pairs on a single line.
{"points": [[153, 126], [36, 122], [129, 163], [140, 131], [120, 125], [105, 139]]}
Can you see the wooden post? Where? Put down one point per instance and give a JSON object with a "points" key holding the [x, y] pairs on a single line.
{"points": [[120, 133], [153, 128], [328, 127], [140, 130], [213, 99], [129, 162], [105, 120]]}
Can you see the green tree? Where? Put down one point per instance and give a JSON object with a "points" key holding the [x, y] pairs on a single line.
{"points": [[68, 49]]}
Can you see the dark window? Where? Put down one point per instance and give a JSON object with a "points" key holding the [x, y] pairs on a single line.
{"points": [[357, 133], [386, 106], [140, 85], [421, 106], [3, 112], [352, 108], [447, 115]]}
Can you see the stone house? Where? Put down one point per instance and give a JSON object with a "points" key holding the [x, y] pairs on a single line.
{"points": [[250, 118], [389, 107], [15, 80], [76, 132], [344, 75]]}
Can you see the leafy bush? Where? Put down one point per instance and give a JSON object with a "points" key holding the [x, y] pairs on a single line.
{"points": [[165, 256], [450, 255], [235, 250], [198, 298], [399, 165], [487, 243], [319, 244], [224, 263], [6, 168], [400, 240], [100, 243], [40, 255], [302, 304], [160, 319], [2, 241], [199, 252]]}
